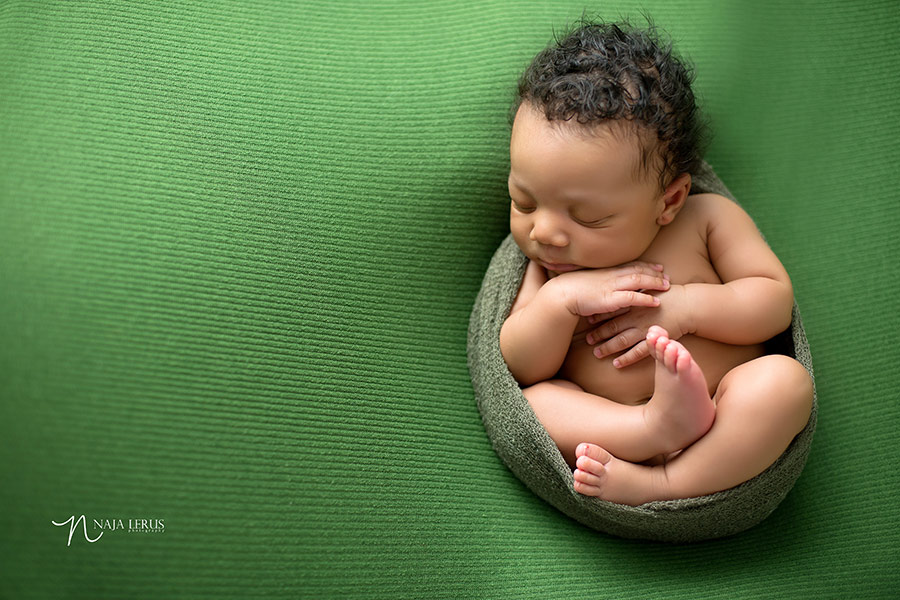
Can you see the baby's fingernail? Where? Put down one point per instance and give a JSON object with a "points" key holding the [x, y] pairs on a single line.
{"points": [[590, 339], [617, 363], [598, 353]]}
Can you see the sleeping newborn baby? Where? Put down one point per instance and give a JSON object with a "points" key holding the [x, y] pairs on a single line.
{"points": [[637, 333]]}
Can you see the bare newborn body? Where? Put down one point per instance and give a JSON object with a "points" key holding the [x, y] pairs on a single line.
{"points": [[682, 248], [637, 333]]}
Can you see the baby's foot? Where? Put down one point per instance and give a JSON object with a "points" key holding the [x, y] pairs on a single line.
{"points": [[601, 474], [680, 411]]}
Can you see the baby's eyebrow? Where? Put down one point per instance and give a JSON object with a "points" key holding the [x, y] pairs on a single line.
{"points": [[579, 201], [519, 185]]}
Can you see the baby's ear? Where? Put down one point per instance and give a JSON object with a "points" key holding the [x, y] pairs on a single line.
{"points": [[673, 198]]}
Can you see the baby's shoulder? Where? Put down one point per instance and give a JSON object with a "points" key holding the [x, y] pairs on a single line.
{"points": [[711, 209], [710, 202]]}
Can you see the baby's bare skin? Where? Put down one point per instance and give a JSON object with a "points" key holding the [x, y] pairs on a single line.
{"points": [[607, 245], [682, 248], [681, 386]]}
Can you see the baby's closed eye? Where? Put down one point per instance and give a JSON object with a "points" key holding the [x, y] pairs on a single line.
{"points": [[597, 223], [522, 207]]}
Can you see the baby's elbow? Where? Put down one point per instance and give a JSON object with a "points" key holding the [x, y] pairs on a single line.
{"points": [[523, 375], [511, 358], [524, 380]]}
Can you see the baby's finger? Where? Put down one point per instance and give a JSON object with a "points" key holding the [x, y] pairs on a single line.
{"points": [[642, 281], [641, 268], [610, 328], [622, 299], [644, 266], [636, 354], [623, 341], [594, 319]]}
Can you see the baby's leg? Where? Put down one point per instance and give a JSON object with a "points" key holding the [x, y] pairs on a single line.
{"points": [[679, 412], [761, 406], [570, 415]]}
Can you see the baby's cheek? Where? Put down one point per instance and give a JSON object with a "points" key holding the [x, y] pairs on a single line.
{"points": [[519, 233]]}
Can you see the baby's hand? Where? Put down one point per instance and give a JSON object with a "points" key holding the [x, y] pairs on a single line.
{"points": [[628, 329], [600, 291]]}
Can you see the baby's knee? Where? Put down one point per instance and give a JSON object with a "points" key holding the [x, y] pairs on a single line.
{"points": [[798, 390], [776, 385], [790, 386], [788, 375]]}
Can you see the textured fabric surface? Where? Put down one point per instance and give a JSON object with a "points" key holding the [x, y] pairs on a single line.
{"points": [[239, 247], [527, 449]]}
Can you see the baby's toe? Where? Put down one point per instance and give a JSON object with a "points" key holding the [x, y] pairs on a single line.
{"points": [[651, 344], [585, 489], [587, 483], [684, 360], [671, 353], [657, 331], [587, 477], [593, 457], [591, 472]]}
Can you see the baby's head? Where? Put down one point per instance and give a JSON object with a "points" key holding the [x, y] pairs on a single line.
{"points": [[605, 134]]}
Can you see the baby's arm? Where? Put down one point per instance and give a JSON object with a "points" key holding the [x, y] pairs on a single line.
{"points": [[535, 338], [755, 302]]}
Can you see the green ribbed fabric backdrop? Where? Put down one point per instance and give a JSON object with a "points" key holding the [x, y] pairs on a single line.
{"points": [[239, 244]]}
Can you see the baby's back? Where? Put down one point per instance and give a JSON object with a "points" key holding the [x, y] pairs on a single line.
{"points": [[682, 248]]}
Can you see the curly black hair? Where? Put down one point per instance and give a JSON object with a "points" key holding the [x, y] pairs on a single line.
{"points": [[605, 72]]}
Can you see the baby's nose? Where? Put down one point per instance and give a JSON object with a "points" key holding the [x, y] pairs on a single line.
{"points": [[547, 231]]}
